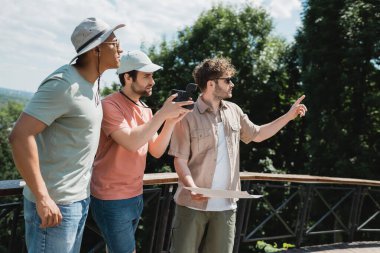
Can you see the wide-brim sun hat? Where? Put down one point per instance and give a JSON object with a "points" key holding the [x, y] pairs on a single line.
{"points": [[136, 60], [89, 34]]}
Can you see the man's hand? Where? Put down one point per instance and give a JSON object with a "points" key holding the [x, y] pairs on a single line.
{"points": [[297, 109], [49, 212], [172, 109], [197, 196], [184, 175]]}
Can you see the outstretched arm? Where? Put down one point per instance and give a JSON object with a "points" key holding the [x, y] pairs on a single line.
{"points": [[25, 156], [134, 138], [270, 129]]}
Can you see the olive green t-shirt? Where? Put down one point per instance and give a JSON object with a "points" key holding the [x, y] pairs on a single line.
{"points": [[67, 104]]}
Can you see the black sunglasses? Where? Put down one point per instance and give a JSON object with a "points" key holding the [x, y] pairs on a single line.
{"points": [[227, 80]]}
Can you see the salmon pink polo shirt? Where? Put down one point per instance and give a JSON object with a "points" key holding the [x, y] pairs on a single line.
{"points": [[117, 172]]}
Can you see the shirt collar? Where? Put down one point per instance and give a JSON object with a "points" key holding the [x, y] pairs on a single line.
{"points": [[203, 107]]}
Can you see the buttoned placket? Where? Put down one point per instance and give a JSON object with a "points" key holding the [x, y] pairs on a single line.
{"points": [[228, 135], [214, 124]]}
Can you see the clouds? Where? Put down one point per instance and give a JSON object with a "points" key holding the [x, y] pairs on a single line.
{"points": [[35, 37], [283, 9]]}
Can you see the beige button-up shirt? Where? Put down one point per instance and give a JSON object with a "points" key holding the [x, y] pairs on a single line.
{"points": [[195, 139]]}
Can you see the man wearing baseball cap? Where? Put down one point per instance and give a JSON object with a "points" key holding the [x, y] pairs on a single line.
{"points": [[55, 139], [129, 131]]}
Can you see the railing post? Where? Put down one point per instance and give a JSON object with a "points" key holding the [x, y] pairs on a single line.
{"points": [[240, 217], [164, 215], [16, 215], [354, 214], [306, 199]]}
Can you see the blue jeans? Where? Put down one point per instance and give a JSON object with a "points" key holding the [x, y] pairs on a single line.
{"points": [[118, 220], [65, 238]]}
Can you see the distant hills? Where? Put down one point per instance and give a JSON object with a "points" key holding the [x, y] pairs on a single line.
{"points": [[14, 95]]}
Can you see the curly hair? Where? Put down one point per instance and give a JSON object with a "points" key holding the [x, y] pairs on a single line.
{"points": [[210, 69]]}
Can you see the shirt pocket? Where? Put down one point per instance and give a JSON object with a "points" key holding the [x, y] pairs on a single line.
{"points": [[235, 128], [235, 134], [202, 140]]}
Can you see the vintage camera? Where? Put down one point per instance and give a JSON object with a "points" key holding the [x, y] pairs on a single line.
{"points": [[185, 95]]}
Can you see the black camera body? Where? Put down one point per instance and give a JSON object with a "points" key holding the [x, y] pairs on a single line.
{"points": [[185, 95]]}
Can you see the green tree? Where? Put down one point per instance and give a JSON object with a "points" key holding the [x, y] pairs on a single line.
{"points": [[263, 87], [339, 50], [8, 115], [108, 90]]}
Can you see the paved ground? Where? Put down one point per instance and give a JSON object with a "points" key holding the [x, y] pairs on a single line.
{"points": [[353, 247]]}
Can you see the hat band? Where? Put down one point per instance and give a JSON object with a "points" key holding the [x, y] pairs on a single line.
{"points": [[91, 40]]}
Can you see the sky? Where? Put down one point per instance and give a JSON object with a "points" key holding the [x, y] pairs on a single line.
{"points": [[35, 35]]}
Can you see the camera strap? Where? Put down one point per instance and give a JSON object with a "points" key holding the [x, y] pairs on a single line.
{"points": [[143, 105]]}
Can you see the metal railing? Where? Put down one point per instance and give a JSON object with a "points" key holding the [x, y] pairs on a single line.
{"points": [[297, 209]]}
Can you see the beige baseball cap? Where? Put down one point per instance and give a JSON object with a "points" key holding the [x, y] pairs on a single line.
{"points": [[136, 60]]}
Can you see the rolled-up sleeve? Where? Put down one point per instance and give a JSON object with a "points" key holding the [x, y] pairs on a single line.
{"points": [[180, 141], [248, 130]]}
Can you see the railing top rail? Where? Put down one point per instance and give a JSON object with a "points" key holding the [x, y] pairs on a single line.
{"points": [[10, 187], [172, 178], [306, 179]]}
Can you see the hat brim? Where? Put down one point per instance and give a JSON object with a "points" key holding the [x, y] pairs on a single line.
{"points": [[147, 68], [97, 42]]}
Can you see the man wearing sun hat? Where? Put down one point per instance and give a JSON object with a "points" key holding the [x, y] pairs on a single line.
{"points": [[129, 131], [55, 139]]}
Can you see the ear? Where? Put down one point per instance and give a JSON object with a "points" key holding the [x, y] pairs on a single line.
{"points": [[127, 78]]}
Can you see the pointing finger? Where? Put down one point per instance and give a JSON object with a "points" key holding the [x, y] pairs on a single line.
{"points": [[299, 100]]}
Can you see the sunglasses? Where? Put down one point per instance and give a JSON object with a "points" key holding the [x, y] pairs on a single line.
{"points": [[227, 80], [116, 43]]}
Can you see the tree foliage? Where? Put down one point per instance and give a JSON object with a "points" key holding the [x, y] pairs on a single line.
{"points": [[339, 49], [109, 90], [8, 116], [335, 61], [262, 83]]}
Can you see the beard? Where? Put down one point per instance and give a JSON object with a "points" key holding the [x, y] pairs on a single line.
{"points": [[141, 92], [219, 93]]}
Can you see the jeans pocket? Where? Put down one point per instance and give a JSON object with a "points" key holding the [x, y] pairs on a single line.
{"points": [[140, 205], [30, 213]]}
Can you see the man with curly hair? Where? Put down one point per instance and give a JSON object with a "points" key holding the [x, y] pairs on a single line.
{"points": [[205, 146]]}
